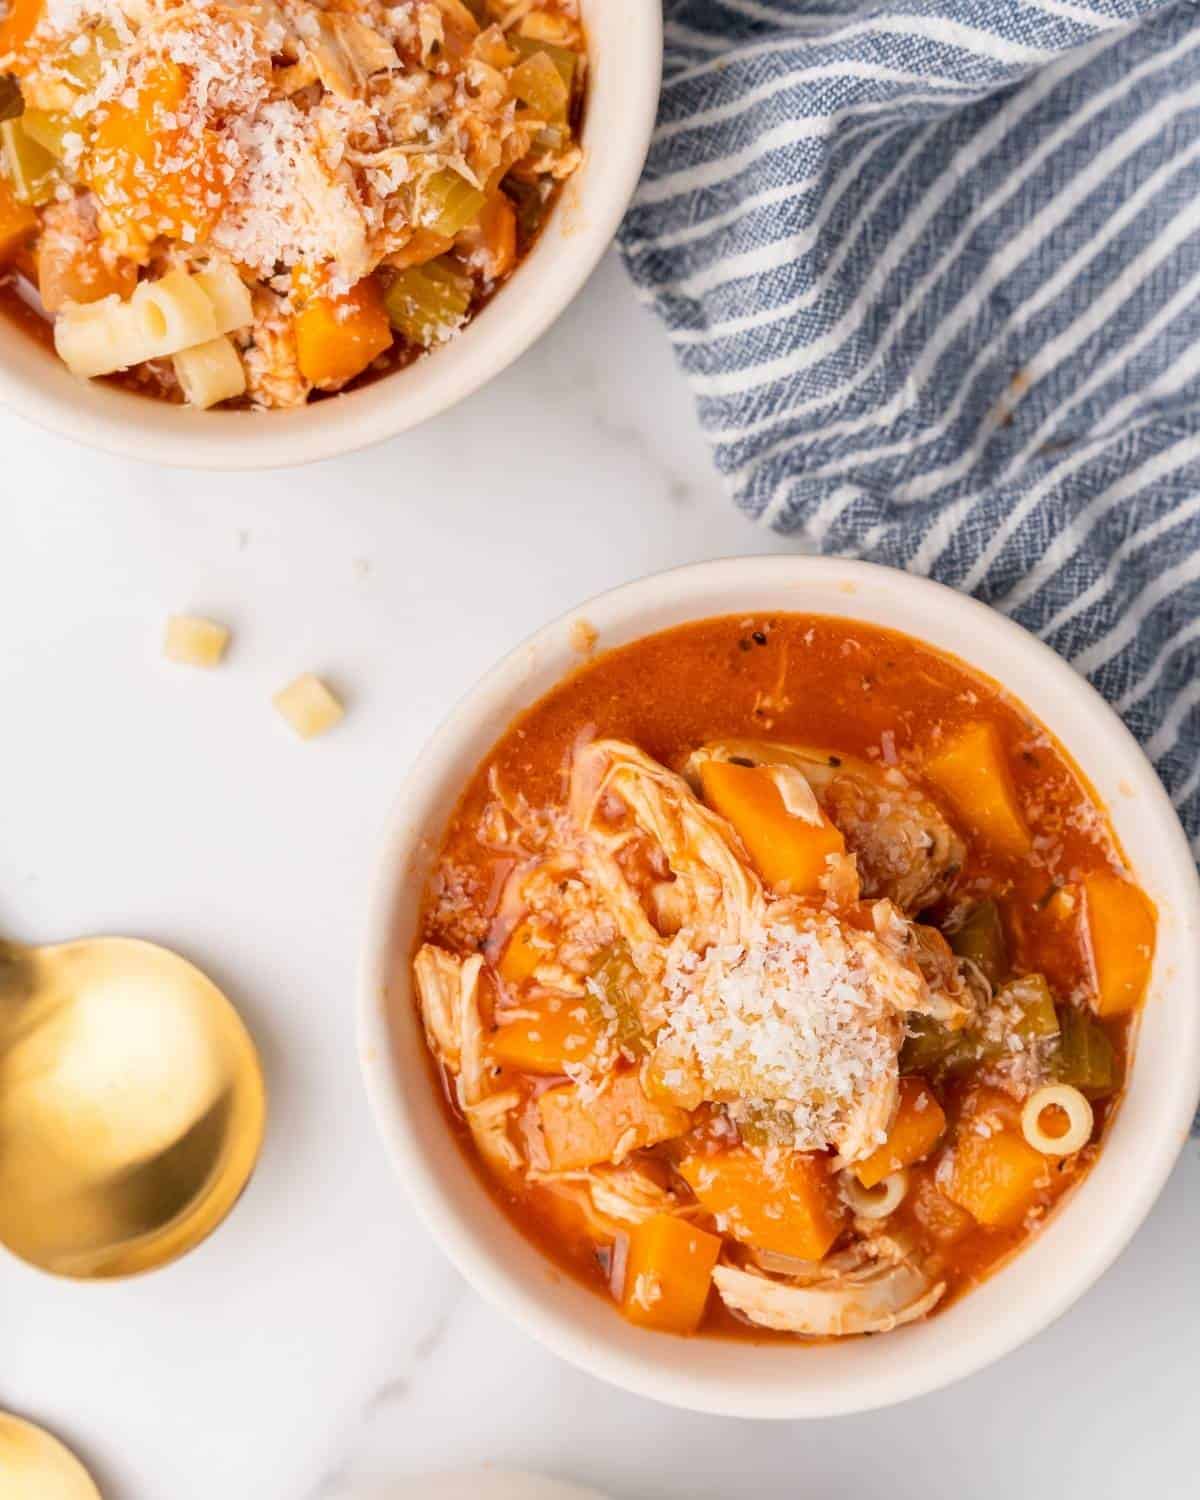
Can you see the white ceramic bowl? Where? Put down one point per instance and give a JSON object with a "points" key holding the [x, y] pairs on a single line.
{"points": [[782, 1379], [624, 70]]}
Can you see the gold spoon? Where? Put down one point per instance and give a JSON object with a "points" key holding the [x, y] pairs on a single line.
{"points": [[36, 1466], [131, 1106]]}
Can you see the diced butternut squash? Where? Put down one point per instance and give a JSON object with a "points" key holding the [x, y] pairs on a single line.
{"points": [[581, 1131], [788, 852], [919, 1123], [544, 1043], [521, 955], [17, 222], [972, 770], [1120, 932], [18, 24], [152, 174], [425, 245], [668, 1273], [996, 1177], [792, 1209], [338, 337], [491, 242]]}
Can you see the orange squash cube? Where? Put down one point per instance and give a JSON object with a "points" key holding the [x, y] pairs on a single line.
{"points": [[521, 956], [545, 1043], [151, 174], [788, 853], [919, 1123], [972, 770], [998, 1177], [1121, 925], [338, 337], [581, 1132], [18, 24], [17, 222], [668, 1273], [792, 1210]]}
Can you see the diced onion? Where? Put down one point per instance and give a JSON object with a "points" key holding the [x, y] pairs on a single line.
{"points": [[1079, 1120], [877, 1202]]}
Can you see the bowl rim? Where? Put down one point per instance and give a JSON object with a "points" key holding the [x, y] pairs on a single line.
{"points": [[618, 124], [500, 1284]]}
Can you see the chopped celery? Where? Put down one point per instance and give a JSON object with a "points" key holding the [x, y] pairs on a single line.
{"points": [[11, 103], [538, 83], [563, 58], [29, 167], [451, 203], [427, 303], [530, 203], [1085, 1055], [49, 128], [981, 939], [615, 974], [930, 1047], [1031, 994]]}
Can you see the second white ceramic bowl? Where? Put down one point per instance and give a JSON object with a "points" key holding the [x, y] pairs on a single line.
{"points": [[624, 72], [784, 1379]]}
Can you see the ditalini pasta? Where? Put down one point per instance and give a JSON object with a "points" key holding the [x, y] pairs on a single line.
{"points": [[210, 373], [751, 1014], [162, 318], [338, 188]]}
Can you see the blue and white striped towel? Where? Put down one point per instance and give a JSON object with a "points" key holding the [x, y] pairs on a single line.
{"points": [[933, 270]]}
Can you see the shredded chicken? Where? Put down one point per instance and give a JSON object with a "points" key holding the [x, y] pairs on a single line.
{"points": [[905, 849], [873, 1287]]}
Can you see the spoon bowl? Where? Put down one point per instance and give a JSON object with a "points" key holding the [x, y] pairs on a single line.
{"points": [[132, 1106], [32, 1463]]}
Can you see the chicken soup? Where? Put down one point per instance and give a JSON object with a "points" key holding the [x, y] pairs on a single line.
{"points": [[780, 974], [260, 202]]}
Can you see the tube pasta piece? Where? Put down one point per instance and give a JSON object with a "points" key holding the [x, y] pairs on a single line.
{"points": [[308, 706], [878, 1202], [172, 313], [228, 294], [96, 338], [1079, 1120], [210, 373], [195, 642]]}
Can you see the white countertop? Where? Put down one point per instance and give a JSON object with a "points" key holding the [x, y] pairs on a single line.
{"points": [[319, 1341]]}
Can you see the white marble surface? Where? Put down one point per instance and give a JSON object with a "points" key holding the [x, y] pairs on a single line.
{"points": [[319, 1344]]}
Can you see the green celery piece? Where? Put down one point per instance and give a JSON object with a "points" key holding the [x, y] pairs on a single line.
{"points": [[29, 167], [427, 302], [1085, 1056], [453, 201], [1032, 995], [538, 83], [613, 972], [981, 939], [930, 1047], [563, 58], [48, 128], [11, 102]]}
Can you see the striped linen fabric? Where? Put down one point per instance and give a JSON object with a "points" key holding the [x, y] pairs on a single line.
{"points": [[932, 269]]}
